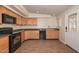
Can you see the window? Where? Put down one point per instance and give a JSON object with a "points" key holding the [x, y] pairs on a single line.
{"points": [[72, 22]]}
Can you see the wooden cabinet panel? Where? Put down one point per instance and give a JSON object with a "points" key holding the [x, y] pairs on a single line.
{"points": [[34, 35], [6, 11], [31, 34], [9, 12], [23, 36], [28, 34], [31, 21], [23, 21], [2, 9], [4, 44], [52, 34], [18, 20]]}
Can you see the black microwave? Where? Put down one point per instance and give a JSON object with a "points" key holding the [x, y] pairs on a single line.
{"points": [[7, 19]]}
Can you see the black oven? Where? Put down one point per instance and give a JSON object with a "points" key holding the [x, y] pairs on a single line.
{"points": [[7, 19], [14, 42]]}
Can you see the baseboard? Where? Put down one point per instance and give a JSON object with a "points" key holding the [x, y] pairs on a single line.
{"points": [[52, 39], [62, 41], [72, 48]]}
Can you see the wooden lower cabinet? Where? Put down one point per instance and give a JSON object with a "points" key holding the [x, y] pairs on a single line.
{"points": [[34, 34], [52, 34], [30, 34], [27, 34], [4, 44], [22, 36]]}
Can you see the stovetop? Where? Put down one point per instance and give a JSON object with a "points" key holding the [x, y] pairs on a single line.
{"points": [[17, 30], [6, 30]]}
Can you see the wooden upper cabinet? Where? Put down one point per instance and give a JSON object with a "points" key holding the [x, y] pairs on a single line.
{"points": [[22, 20], [2, 9], [31, 21], [9, 12], [4, 44], [18, 20]]}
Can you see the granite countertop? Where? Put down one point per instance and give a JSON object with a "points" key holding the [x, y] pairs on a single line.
{"points": [[21, 30], [42, 29], [37, 29]]}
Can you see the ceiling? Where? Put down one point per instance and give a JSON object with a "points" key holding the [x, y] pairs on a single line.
{"points": [[41, 9], [47, 9]]}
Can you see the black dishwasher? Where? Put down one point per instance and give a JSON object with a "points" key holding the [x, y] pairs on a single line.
{"points": [[42, 35]]}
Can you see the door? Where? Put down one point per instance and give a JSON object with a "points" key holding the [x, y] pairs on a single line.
{"points": [[72, 35]]}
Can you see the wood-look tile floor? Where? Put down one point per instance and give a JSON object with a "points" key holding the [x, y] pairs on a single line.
{"points": [[44, 46]]}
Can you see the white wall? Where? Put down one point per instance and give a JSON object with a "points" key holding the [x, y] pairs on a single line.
{"points": [[45, 21], [71, 38]]}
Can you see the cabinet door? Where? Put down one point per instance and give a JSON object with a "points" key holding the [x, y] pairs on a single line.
{"points": [[4, 44], [2, 9], [9, 12], [18, 20], [31, 21], [52, 34], [23, 21], [27, 35], [23, 36], [34, 34]]}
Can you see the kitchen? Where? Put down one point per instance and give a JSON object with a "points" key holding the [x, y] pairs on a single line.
{"points": [[19, 27]]}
